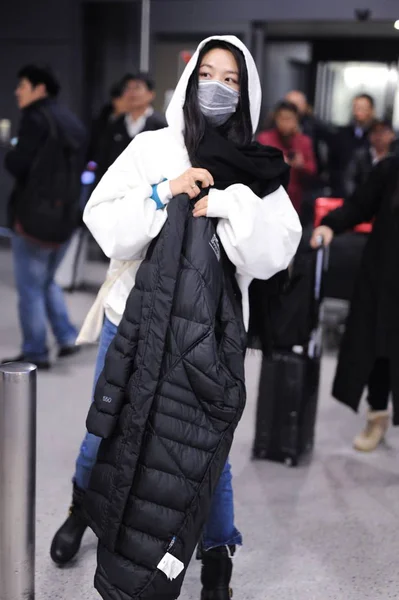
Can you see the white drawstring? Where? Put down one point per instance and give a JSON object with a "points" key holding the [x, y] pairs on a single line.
{"points": [[233, 556]]}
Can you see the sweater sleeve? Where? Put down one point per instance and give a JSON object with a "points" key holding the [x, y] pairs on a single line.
{"points": [[362, 206], [120, 213], [260, 236]]}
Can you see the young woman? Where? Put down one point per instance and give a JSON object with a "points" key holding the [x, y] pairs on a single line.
{"points": [[207, 145], [369, 350]]}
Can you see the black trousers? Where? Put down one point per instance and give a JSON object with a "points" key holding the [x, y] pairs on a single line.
{"points": [[379, 385]]}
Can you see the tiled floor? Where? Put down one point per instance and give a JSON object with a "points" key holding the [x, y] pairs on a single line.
{"points": [[329, 531]]}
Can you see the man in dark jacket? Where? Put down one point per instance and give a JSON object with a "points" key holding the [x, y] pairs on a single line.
{"points": [[381, 138], [350, 138], [35, 261], [139, 92]]}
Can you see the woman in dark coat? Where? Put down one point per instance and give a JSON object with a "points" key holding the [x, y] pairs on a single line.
{"points": [[370, 349]]}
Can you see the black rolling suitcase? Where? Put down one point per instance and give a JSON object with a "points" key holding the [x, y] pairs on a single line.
{"points": [[289, 381]]}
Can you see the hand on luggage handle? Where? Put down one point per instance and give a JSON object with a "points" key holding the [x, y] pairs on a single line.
{"points": [[322, 261], [322, 236], [323, 250]]}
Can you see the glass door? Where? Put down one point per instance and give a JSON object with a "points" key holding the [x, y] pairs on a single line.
{"points": [[338, 83]]}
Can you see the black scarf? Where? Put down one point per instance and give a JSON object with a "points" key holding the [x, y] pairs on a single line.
{"points": [[263, 170]]}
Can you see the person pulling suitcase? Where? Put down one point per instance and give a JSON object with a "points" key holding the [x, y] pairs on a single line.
{"points": [[369, 350], [345, 256]]}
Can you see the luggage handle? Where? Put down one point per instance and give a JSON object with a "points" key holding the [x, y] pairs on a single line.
{"points": [[321, 268], [315, 342]]}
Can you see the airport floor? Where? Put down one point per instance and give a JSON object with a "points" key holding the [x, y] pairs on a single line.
{"points": [[327, 531]]}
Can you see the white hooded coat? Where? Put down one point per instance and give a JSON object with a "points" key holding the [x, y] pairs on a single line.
{"points": [[260, 235]]}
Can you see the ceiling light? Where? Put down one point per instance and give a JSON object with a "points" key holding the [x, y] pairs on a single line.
{"points": [[396, 24]]}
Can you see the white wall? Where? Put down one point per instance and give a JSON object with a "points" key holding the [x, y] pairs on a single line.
{"points": [[166, 66], [278, 75]]}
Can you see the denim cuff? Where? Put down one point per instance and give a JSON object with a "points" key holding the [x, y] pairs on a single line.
{"points": [[234, 540]]}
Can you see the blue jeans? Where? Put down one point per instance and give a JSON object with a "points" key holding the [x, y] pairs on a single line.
{"points": [[220, 529], [89, 447], [39, 297]]}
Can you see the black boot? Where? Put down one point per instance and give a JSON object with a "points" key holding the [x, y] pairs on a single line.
{"points": [[67, 540], [217, 568]]}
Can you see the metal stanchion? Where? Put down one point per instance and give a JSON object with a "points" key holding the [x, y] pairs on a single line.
{"points": [[145, 36], [17, 481]]}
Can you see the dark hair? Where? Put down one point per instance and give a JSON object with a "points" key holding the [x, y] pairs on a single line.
{"points": [[285, 105], [119, 88], [367, 97], [38, 75], [238, 128], [143, 77], [381, 124], [116, 91]]}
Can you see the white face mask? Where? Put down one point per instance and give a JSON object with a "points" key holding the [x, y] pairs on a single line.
{"points": [[217, 101]]}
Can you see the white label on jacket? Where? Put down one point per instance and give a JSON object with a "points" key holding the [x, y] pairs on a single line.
{"points": [[171, 566], [214, 244]]}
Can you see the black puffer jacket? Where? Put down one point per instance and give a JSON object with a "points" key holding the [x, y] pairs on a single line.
{"points": [[168, 402]]}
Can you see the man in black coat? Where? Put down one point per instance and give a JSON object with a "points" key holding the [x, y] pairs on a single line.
{"points": [[351, 138], [381, 139], [139, 92], [35, 261], [369, 351]]}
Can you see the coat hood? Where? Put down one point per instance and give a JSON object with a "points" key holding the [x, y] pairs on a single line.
{"points": [[174, 113]]}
